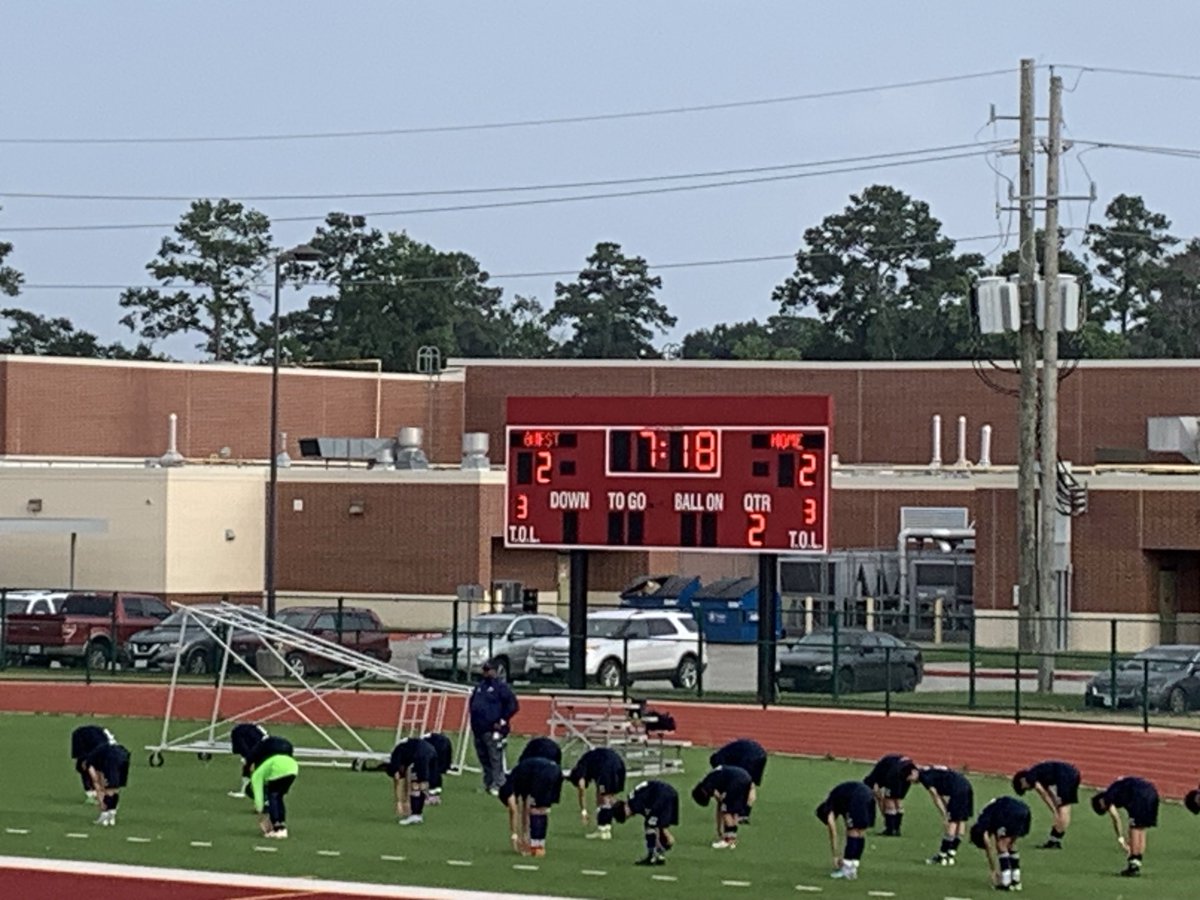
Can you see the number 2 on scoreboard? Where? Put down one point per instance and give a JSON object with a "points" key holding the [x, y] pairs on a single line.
{"points": [[804, 475], [756, 529], [545, 463]]}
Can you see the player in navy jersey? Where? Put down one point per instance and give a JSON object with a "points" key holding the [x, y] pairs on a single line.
{"points": [[606, 770], [84, 740], [658, 805], [531, 788], [1001, 823], [745, 754], [1139, 798], [242, 740], [107, 767], [413, 765], [543, 747], [445, 761], [955, 799], [853, 802], [733, 790], [889, 781], [1057, 783]]}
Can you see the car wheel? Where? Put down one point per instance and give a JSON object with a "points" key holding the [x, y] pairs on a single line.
{"points": [[96, 654], [297, 665], [610, 674], [1177, 701], [845, 681], [197, 663], [501, 666], [686, 673], [907, 682]]}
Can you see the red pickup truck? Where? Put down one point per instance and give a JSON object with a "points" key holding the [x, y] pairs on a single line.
{"points": [[85, 629]]}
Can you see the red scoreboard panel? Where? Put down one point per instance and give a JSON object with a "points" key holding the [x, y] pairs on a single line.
{"points": [[728, 474]]}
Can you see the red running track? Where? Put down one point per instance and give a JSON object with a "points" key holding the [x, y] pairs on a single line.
{"points": [[1102, 752], [32, 885]]}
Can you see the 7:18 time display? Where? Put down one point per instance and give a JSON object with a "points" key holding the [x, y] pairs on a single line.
{"points": [[664, 451]]}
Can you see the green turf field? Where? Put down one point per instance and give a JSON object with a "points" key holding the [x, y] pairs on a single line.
{"points": [[351, 814]]}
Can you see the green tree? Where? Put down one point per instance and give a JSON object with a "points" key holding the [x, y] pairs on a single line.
{"points": [[31, 334], [611, 308], [525, 333], [208, 269], [10, 278], [392, 295], [780, 337], [1130, 249], [884, 279], [1171, 324]]}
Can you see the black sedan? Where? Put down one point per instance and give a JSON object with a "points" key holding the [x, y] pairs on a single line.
{"points": [[866, 661], [1170, 674]]}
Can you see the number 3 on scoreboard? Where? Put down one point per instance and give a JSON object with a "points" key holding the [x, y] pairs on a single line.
{"points": [[522, 507], [756, 529]]}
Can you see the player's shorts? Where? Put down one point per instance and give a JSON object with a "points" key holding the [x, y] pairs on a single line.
{"points": [[861, 812], [737, 802], [1016, 825], [610, 780], [425, 769], [1066, 792], [960, 806], [664, 814], [756, 768], [115, 768], [1144, 812]]}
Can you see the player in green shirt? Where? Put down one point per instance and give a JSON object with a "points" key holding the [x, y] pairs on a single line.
{"points": [[269, 782]]}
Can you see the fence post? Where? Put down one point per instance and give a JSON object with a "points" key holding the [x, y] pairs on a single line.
{"points": [[341, 603], [699, 656], [112, 634], [937, 621], [869, 606], [1017, 686], [454, 640], [1145, 695], [625, 669], [834, 615], [971, 664], [3, 628], [1112, 664], [887, 689], [808, 615]]}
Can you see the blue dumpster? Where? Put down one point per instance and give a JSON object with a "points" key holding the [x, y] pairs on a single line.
{"points": [[728, 611], [661, 592]]}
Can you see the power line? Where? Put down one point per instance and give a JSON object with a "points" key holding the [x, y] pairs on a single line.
{"points": [[518, 123], [513, 276], [1138, 73], [539, 201], [546, 186]]}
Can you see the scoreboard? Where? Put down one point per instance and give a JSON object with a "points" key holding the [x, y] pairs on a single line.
{"points": [[729, 474]]}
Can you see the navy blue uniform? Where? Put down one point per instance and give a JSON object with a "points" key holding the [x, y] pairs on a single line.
{"points": [[545, 748], [602, 767], [745, 754], [445, 752], [268, 747], [84, 740], [657, 802], [1138, 797], [245, 737], [1004, 817], [417, 754], [954, 789], [111, 761], [536, 779], [853, 801], [733, 784], [1060, 778], [889, 775]]}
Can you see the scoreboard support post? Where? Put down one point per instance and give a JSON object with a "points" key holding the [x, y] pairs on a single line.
{"points": [[577, 620], [768, 625]]}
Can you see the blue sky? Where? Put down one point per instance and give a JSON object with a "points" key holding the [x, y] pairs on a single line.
{"points": [[122, 69]]}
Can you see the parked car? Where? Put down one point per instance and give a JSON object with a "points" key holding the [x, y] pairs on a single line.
{"points": [[1171, 673], [33, 603], [657, 644], [181, 635], [361, 631], [505, 638], [88, 627], [867, 661]]}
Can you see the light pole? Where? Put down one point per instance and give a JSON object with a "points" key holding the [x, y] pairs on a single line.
{"points": [[303, 253]]}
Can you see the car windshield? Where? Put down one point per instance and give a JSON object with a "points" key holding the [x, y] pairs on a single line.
{"points": [[1159, 660], [485, 627], [294, 619], [606, 628], [819, 639]]}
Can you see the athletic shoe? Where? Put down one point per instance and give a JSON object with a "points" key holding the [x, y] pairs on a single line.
{"points": [[937, 860], [1131, 872], [433, 800], [724, 845], [495, 792], [1050, 845], [412, 820], [1016, 886], [278, 834], [236, 795], [645, 861], [845, 872], [537, 851]]}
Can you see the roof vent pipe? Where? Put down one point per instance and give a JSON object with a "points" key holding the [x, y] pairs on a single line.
{"points": [[985, 447], [475, 450], [935, 461], [282, 459], [961, 462], [172, 457], [409, 454]]}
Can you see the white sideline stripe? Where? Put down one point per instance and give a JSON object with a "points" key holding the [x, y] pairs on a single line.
{"points": [[746, 884], [16, 831], [329, 853], [809, 888], [201, 844], [386, 858], [258, 882], [664, 877], [881, 893], [524, 868], [138, 840], [596, 872], [265, 849], [77, 834], [459, 862], [956, 898]]}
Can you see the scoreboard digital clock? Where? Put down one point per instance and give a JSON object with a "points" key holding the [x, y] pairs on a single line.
{"points": [[715, 473]]}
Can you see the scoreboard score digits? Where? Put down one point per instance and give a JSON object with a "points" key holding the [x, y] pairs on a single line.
{"points": [[718, 474]]}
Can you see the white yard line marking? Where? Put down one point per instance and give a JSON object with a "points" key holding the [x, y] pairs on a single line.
{"points": [[201, 844], [596, 872], [808, 888], [16, 831], [393, 858], [881, 893], [265, 849], [524, 868], [77, 834], [329, 853], [138, 840], [957, 898], [459, 862], [664, 878], [743, 884]]}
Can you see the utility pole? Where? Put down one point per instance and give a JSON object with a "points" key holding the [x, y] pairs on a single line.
{"points": [[1047, 569], [1027, 535]]}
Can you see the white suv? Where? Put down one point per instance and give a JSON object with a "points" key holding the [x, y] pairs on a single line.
{"points": [[657, 645]]}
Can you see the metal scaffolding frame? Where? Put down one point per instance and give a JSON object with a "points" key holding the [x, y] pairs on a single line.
{"points": [[423, 702]]}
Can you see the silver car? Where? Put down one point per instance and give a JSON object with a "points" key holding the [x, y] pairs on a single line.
{"points": [[504, 638]]}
